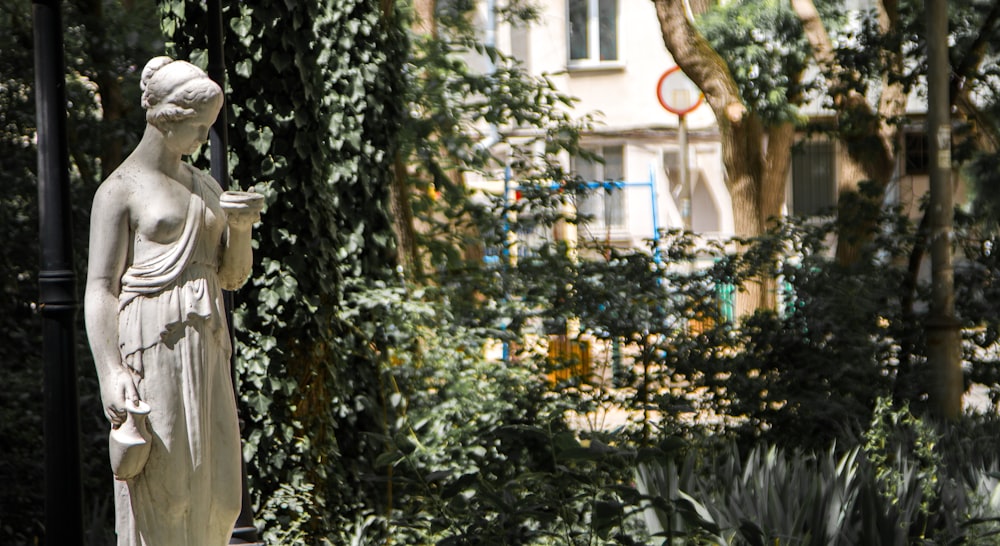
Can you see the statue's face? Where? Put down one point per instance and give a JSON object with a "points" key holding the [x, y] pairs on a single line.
{"points": [[187, 135]]}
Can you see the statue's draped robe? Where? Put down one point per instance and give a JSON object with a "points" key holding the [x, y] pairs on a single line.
{"points": [[174, 338]]}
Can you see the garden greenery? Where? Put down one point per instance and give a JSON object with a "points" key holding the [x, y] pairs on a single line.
{"points": [[432, 406], [313, 100]]}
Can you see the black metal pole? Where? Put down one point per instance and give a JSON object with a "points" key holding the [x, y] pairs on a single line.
{"points": [[218, 136], [57, 286], [244, 532]]}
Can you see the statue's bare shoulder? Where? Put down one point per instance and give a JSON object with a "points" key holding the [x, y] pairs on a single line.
{"points": [[113, 196]]}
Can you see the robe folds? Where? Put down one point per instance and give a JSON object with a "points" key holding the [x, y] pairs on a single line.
{"points": [[174, 339]]}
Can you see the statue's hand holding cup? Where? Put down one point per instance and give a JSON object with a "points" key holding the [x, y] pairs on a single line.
{"points": [[242, 207]]}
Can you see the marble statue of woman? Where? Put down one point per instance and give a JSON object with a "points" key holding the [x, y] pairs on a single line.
{"points": [[164, 242]]}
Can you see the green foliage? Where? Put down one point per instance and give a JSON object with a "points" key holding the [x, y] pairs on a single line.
{"points": [[975, 288], [901, 450], [983, 173], [374, 413], [313, 102], [482, 454], [802, 378], [317, 142], [479, 451], [481, 121], [767, 496], [767, 53], [869, 56], [844, 337], [943, 492]]}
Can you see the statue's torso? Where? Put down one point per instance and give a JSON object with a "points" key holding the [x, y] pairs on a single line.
{"points": [[158, 208]]}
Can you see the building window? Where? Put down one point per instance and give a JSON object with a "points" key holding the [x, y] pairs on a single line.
{"points": [[814, 178], [917, 149], [593, 30], [605, 204]]}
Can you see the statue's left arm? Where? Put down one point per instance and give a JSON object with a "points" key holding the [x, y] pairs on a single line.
{"points": [[236, 257]]}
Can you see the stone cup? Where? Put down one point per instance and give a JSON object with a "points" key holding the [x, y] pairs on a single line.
{"points": [[242, 207], [241, 200]]}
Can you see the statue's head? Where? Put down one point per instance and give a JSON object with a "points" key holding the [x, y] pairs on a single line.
{"points": [[174, 91]]}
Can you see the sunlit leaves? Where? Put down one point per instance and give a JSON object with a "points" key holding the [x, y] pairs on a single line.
{"points": [[763, 44]]}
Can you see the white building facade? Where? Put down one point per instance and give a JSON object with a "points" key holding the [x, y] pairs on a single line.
{"points": [[610, 55]]}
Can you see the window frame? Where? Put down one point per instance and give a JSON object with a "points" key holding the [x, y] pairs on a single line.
{"points": [[807, 151], [593, 35], [916, 153], [601, 197]]}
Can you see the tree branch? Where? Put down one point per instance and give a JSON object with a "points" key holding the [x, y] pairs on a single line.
{"points": [[692, 52], [985, 130], [973, 58], [844, 95]]}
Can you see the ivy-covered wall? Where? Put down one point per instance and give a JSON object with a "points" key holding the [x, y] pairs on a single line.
{"points": [[313, 101]]}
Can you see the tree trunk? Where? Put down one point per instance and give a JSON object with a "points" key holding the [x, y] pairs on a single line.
{"points": [[400, 198], [774, 179], [777, 166], [745, 195], [741, 132], [402, 221], [943, 330], [113, 105], [423, 19], [872, 134]]}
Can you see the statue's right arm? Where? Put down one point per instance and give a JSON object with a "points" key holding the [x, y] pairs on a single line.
{"points": [[109, 244]]}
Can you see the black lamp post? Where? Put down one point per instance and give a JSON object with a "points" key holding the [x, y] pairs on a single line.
{"points": [[57, 285]]}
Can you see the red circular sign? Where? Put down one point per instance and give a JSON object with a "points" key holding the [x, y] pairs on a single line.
{"points": [[677, 93]]}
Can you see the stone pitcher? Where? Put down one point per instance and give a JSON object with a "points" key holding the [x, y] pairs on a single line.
{"points": [[129, 444]]}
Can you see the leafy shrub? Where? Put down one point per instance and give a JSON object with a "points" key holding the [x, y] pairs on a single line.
{"points": [[480, 451], [906, 485]]}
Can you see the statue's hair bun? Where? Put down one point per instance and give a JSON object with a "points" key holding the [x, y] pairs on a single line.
{"points": [[151, 67], [174, 90]]}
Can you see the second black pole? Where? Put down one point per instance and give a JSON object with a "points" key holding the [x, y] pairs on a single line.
{"points": [[244, 532]]}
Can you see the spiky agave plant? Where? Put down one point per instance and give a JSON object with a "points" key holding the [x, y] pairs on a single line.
{"points": [[770, 497]]}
